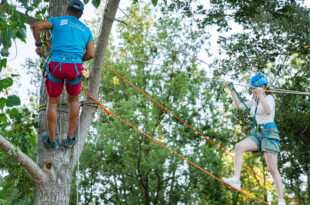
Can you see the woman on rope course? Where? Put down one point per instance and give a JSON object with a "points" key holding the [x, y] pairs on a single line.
{"points": [[264, 134]]}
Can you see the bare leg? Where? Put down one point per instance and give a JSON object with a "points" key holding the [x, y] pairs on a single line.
{"points": [[74, 110], [246, 145], [52, 117], [272, 163]]}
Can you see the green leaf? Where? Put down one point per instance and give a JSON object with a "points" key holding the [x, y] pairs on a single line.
{"points": [[3, 118], [5, 83], [2, 102], [21, 34], [96, 3], [154, 2], [4, 51], [13, 112], [11, 33], [86, 1], [14, 75], [2, 17], [3, 63], [3, 194], [12, 100]]}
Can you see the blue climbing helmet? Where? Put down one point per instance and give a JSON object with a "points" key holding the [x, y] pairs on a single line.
{"points": [[258, 80]]}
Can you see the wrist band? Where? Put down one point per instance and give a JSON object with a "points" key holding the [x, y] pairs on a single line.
{"points": [[38, 44]]}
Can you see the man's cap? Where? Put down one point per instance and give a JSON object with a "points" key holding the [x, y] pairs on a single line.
{"points": [[76, 4]]}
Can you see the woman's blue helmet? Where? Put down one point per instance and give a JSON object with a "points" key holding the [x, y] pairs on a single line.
{"points": [[258, 80]]}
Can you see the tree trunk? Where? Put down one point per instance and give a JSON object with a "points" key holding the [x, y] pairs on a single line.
{"points": [[59, 165]]}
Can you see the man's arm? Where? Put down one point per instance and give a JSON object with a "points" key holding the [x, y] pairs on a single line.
{"points": [[36, 29], [90, 51]]}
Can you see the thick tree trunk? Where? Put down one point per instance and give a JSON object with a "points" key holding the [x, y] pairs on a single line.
{"points": [[59, 165]]}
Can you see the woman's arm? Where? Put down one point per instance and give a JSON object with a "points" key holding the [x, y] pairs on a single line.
{"points": [[233, 95], [261, 97]]}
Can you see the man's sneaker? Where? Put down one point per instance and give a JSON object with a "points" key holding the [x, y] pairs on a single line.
{"points": [[233, 181], [281, 202], [70, 142], [46, 141]]}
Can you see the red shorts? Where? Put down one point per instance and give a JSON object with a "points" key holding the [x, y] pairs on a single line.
{"points": [[68, 72]]}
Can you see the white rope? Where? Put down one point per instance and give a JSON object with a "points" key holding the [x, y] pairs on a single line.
{"points": [[128, 17], [275, 90]]}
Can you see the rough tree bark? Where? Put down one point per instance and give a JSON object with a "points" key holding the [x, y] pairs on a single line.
{"points": [[53, 173]]}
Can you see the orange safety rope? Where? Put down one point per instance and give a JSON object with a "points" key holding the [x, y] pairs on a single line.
{"points": [[192, 128], [110, 113], [102, 107]]}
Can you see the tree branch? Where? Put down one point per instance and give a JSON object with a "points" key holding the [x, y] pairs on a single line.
{"points": [[29, 19], [35, 171]]}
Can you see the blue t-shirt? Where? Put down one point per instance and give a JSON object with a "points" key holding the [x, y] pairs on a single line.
{"points": [[70, 36]]}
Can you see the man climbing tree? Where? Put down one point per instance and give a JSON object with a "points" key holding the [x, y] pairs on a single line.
{"points": [[51, 174], [70, 39]]}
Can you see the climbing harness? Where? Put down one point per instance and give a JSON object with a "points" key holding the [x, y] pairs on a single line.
{"points": [[258, 79], [46, 68], [65, 59], [266, 126], [46, 71]]}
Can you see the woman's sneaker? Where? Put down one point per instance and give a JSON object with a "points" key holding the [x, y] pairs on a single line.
{"points": [[46, 141], [233, 181], [281, 202]]}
